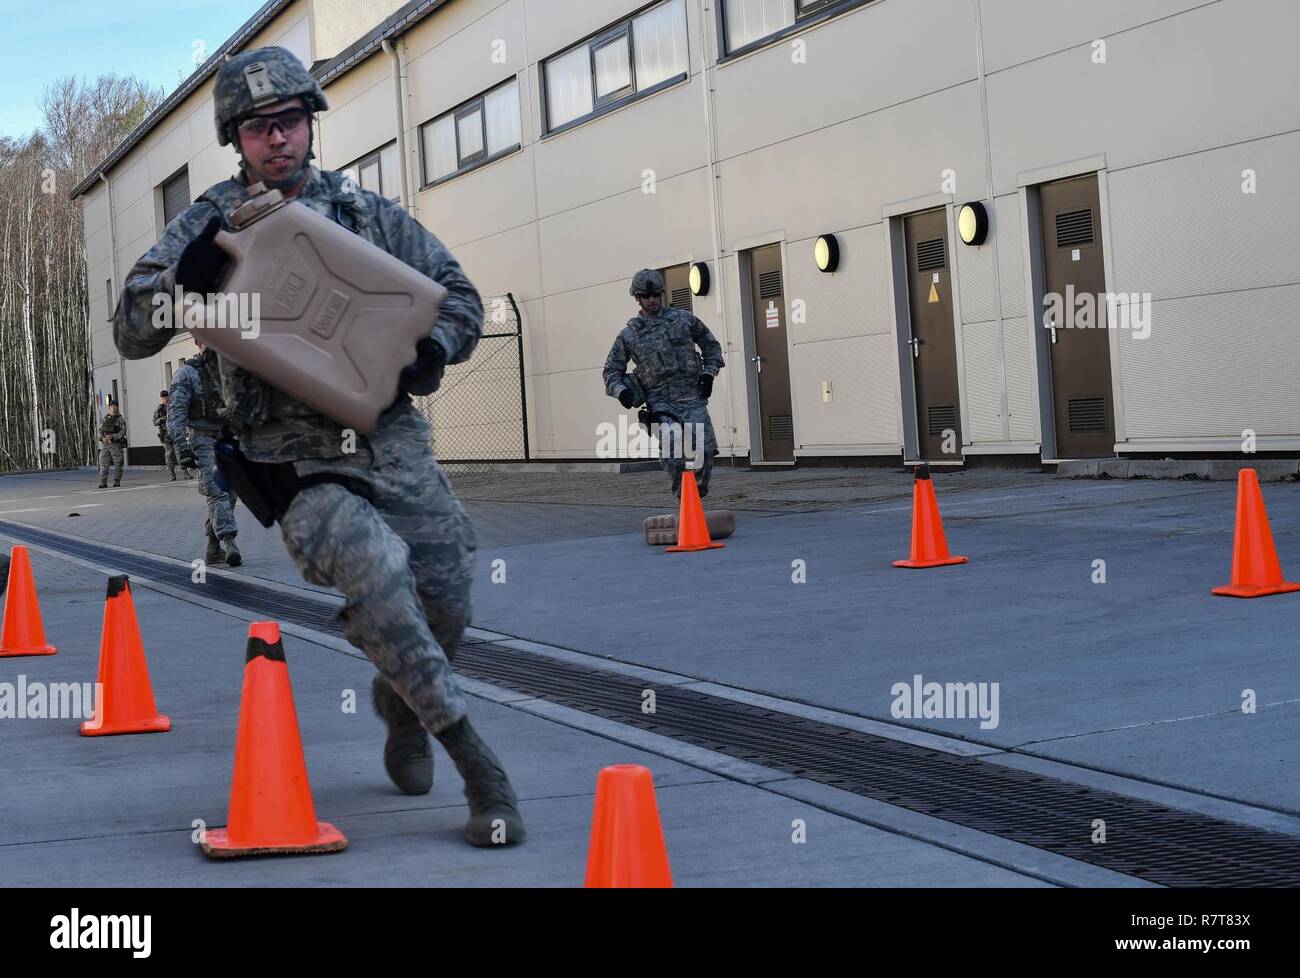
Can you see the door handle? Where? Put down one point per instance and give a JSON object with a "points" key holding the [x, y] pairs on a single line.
{"points": [[758, 364], [1052, 327], [915, 344]]}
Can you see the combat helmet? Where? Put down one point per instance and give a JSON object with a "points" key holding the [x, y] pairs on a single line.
{"points": [[646, 282], [254, 79]]}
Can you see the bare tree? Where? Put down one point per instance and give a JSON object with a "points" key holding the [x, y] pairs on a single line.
{"points": [[47, 411]]}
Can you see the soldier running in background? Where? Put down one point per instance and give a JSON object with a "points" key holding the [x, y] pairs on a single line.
{"points": [[169, 446], [194, 420]]}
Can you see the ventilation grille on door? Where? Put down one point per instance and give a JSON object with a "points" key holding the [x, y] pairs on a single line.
{"points": [[681, 299], [930, 255], [780, 427], [943, 419], [769, 284], [1088, 414], [1074, 228]]}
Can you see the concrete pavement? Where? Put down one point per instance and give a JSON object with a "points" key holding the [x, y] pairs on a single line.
{"points": [[1141, 676]]}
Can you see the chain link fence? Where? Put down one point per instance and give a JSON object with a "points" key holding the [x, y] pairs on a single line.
{"points": [[479, 414]]}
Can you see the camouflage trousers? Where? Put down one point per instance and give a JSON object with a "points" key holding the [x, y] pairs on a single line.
{"points": [[169, 456], [113, 455], [221, 503], [676, 458], [676, 466], [403, 563]]}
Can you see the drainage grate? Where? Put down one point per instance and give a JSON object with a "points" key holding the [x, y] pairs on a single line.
{"points": [[1145, 840]]}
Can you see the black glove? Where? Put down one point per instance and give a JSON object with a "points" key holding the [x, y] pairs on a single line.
{"points": [[423, 376], [202, 262], [625, 397], [706, 386], [186, 457]]}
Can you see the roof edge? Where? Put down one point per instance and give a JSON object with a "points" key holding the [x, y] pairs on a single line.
{"points": [[394, 25], [264, 15]]}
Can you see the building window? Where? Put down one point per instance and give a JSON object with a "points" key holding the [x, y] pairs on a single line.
{"points": [[175, 196], [749, 22], [167, 367], [377, 172], [483, 129], [108, 296], [622, 62]]}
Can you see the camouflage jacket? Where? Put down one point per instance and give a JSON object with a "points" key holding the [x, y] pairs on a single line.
{"points": [[195, 400], [667, 368], [115, 428], [160, 422], [271, 426]]}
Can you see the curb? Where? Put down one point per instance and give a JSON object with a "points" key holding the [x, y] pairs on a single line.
{"points": [[1202, 470]]}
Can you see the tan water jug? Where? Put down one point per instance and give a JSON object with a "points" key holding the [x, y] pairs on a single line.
{"points": [[317, 311]]}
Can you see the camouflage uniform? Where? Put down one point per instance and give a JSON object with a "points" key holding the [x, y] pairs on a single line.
{"points": [[114, 426], [667, 378], [169, 446], [194, 419], [404, 563]]}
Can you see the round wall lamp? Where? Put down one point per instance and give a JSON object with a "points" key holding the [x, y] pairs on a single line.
{"points": [[699, 278], [826, 252], [973, 223]]}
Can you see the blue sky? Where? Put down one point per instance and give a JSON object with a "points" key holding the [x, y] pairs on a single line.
{"points": [[152, 39]]}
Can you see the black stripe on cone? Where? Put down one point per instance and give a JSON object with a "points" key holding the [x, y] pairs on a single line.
{"points": [[257, 647], [118, 585], [923, 473]]}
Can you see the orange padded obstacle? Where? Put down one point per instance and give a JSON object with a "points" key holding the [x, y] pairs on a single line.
{"points": [[627, 843], [125, 704], [929, 547], [1256, 570], [23, 633], [693, 528], [271, 810]]}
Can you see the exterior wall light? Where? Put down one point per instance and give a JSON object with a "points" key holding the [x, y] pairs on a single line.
{"points": [[827, 253], [699, 278], [973, 223]]}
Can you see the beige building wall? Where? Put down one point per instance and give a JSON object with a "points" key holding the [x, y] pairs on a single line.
{"points": [[935, 102]]}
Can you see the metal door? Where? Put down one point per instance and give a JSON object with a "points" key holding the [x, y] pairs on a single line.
{"points": [[1079, 346], [771, 360], [933, 343], [677, 280]]}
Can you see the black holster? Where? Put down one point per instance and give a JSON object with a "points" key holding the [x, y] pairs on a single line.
{"points": [[269, 488]]}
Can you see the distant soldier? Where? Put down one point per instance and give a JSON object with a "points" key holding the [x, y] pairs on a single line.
{"points": [[112, 446], [195, 417], [4, 573], [669, 377], [169, 446]]}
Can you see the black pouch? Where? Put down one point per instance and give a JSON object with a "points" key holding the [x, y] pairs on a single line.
{"points": [[248, 480], [269, 488]]}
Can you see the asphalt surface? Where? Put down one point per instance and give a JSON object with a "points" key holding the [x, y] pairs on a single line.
{"points": [[1141, 677]]}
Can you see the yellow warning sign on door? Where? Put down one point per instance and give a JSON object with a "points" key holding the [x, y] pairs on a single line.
{"points": [[934, 293]]}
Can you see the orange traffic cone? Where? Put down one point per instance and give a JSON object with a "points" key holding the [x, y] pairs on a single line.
{"points": [[125, 698], [693, 528], [929, 547], [1255, 567], [271, 810], [24, 633], [627, 844]]}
